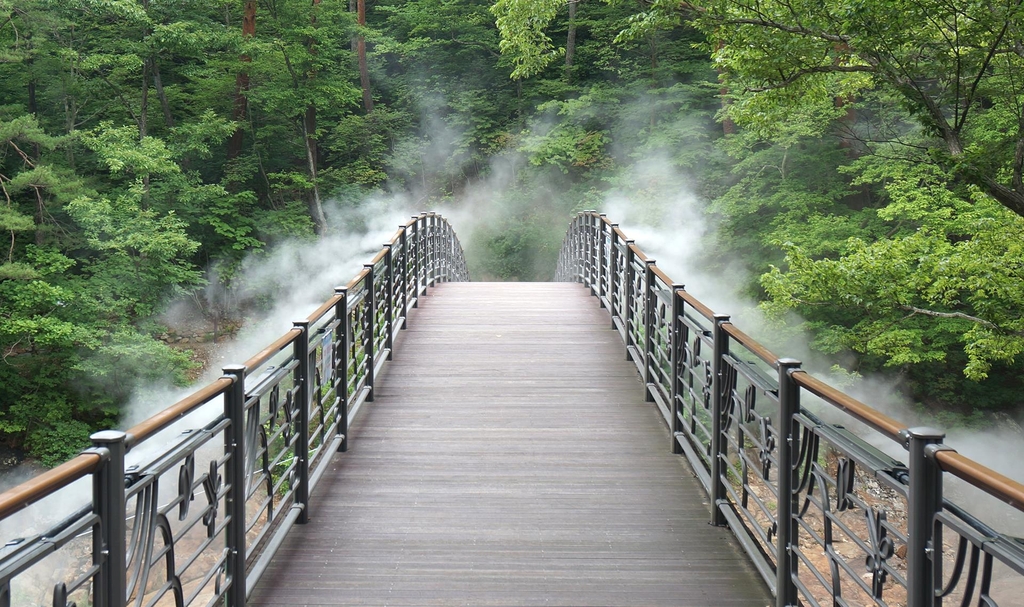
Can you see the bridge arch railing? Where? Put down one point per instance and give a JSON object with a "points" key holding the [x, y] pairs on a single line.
{"points": [[188, 507], [825, 515]]}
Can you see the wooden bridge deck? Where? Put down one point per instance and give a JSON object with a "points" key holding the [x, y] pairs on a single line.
{"points": [[509, 459]]}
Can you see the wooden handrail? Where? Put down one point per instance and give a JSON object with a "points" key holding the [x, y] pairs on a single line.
{"points": [[49, 482]]}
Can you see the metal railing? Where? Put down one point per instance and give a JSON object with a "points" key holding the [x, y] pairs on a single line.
{"points": [[826, 517], [198, 518]]}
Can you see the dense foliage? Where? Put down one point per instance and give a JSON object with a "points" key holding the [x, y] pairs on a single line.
{"points": [[861, 162]]}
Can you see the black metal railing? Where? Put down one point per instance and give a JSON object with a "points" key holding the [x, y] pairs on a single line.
{"points": [[826, 517], [194, 517]]}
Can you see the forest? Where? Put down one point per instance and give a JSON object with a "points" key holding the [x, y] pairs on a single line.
{"points": [[859, 167]]}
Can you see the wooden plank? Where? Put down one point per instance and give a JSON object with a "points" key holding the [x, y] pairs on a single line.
{"points": [[509, 459]]}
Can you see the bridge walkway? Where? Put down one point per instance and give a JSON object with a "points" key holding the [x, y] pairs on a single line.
{"points": [[509, 459]]}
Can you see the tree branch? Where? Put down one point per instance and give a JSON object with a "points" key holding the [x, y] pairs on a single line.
{"points": [[790, 29], [960, 315], [819, 69]]}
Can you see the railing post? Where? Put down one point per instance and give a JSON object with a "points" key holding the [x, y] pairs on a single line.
{"points": [[718, 404], [588, 266], [389, 304], [924, 552], [303, 395], [341, 339], [371, 328], [602, 270], [676, 338], [627, 300], [448, 256], [431, 249], [111, 586], [650, 311], [578, 249], [234, 473], [404, 265], [788, 502], [423, 248], [613, 273], [416, 261], [584, 267]]}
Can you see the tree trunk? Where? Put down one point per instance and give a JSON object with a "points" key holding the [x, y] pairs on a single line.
{"points": [[364, 72], [162, 95], [316, 209], [144, 103], [241, 108], [570, 40], [728, 126], [33, 104], [353, 8]]}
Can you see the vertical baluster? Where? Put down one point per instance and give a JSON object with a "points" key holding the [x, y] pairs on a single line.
{"points": [[303, 396], [788, 503], [591, 252], [369, 332], [341, 340], [432, 248], [613, 274], [389, 295], [602, 270], [719, 443], [109, 539], [404, 265], [627, 299], [424, 251], [582, 255], [924, 561], [448, 255], [650, 324], [417, 258], [574, 250], [234, 473], [677, 344]]}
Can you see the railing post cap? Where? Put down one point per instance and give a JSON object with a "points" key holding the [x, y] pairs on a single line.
{"points": [[368, 265], [789, 362], [678, 287], [233, 369], [300, 324], [340, 290], [720, 318], [925, 433], [105, 437]]}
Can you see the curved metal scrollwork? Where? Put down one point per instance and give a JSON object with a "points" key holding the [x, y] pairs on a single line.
{"points": [[767, 447], [163, 526], [882, 550], [844, 484], [151, 526], [60, 596], [749, 404], [212, 483], [186, 480]]}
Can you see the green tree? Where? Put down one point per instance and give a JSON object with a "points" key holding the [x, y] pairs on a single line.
{"points": [[954, 68]]}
